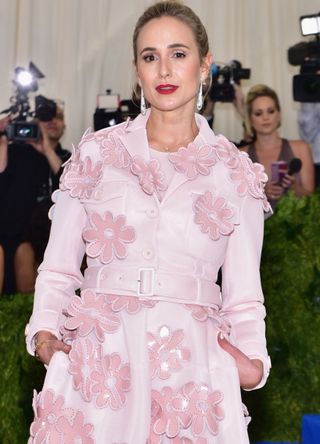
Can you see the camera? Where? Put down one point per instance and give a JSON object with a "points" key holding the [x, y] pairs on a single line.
{"points": [[22, 128], [223, 78], [306, 85]]}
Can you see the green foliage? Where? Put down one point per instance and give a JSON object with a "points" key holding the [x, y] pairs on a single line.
{"points": [[291, 283], [20, 373]]}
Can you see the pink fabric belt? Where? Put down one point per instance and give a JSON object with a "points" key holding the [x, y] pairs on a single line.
{"points": [[150, 283]]}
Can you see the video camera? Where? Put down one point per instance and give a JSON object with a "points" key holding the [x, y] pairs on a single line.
{"points": [[223, 78], [21, 128], [111, 110], [306, 85]]}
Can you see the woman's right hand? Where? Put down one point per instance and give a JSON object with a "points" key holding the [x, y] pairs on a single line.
{"points": [[46, 344], [274, 191]]}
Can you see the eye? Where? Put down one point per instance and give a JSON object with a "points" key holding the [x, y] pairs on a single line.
{"points": [[179, 54], [149, 57]]}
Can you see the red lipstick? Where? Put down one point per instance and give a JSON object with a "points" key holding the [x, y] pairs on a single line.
{"points": [[166, 89]]}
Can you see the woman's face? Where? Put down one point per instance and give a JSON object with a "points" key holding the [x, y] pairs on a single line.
{"points": [[265, 117], [168, 64]]}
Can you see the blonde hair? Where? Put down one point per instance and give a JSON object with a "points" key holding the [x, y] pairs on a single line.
{"points": [[261, 91]]}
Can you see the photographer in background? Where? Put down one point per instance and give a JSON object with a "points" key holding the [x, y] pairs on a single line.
{"points": [[29, 173], [309, 129], [263, 109]]}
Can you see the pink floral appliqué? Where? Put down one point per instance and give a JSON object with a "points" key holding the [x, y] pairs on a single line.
{"points": [[250, 177], [111, 381], [91, 313], [83, 360], [108, 236], [48, 409], [213, 214], [193, 160], [76, 431], [166, 352], [150, 176], [112, 150], [227, 152], [204, 406], [82, 178], [166, 417], [200, 312], [131, 304]]}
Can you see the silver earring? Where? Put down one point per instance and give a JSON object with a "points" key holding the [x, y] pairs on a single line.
{"points": [[200, 99], [143, 107]]}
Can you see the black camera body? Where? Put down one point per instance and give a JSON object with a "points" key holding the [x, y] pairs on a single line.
{"points": [[223, 78], [21, 129], [306, 85]]}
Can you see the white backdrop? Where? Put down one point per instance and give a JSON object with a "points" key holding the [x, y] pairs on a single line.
{"points": [[84, 47]]}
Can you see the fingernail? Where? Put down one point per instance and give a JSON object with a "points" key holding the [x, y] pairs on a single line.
{"points": [[221, 335]]}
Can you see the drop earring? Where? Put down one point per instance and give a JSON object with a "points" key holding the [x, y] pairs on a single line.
{"points": [[143, 107], [199, 99]]}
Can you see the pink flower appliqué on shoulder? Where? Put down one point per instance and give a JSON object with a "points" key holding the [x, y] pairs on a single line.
{"points": [[166, 352], [108, 236], [112, 150], [48, 409], [131, 304], [204, 406], [193, 160], [150, 176], [111, 381], [91, 313], [213, 214], [227, 152], [81, 179], [76, 431], [83, 360], [168, 419], [250, 177]]}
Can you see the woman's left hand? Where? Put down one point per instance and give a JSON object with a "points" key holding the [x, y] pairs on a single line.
{"points": [[250, 370]]}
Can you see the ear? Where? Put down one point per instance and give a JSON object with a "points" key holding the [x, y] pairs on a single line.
{"points": [[206, 66], [134, 65]]}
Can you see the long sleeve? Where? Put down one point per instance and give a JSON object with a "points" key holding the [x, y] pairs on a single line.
{"points": [[242, 294], [59, 274]]}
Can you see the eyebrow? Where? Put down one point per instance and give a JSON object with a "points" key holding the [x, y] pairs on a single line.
{"points": [[173, 45]]}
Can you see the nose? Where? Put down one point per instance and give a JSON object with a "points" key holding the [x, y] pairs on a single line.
{"points": [[164, 68]]}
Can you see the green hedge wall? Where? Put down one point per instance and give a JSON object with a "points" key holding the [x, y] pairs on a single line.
{"points": [[291, 283]]}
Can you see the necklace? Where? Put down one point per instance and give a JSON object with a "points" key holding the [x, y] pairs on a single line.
{"points": [[174, 147]]}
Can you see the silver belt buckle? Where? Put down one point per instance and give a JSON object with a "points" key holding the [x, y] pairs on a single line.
{"points": [[145, 282]]}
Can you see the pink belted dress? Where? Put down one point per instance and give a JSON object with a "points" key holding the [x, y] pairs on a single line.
{"points": [[145, 366]]}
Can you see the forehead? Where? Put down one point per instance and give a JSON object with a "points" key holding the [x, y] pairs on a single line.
{"points": [[164, 31], [263, 102]]}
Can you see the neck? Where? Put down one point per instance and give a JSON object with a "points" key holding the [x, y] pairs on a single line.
{"points": [[268, 141], [171, 130]]}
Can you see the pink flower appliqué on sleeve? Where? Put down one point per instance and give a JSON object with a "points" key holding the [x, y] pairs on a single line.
{"points": [[108, 236], [250, 177], [193, 160], [204, 406], [131, 304], [83, 360], [111, 381], [81, 179], [213, 214], [76, 431], [166, 352], [168, 419], [112, 150], [150, 176], [91, 313], [47, 411], [227, 152]]}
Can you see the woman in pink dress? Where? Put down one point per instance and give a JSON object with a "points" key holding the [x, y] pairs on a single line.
{"points": [[153, 350]]}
